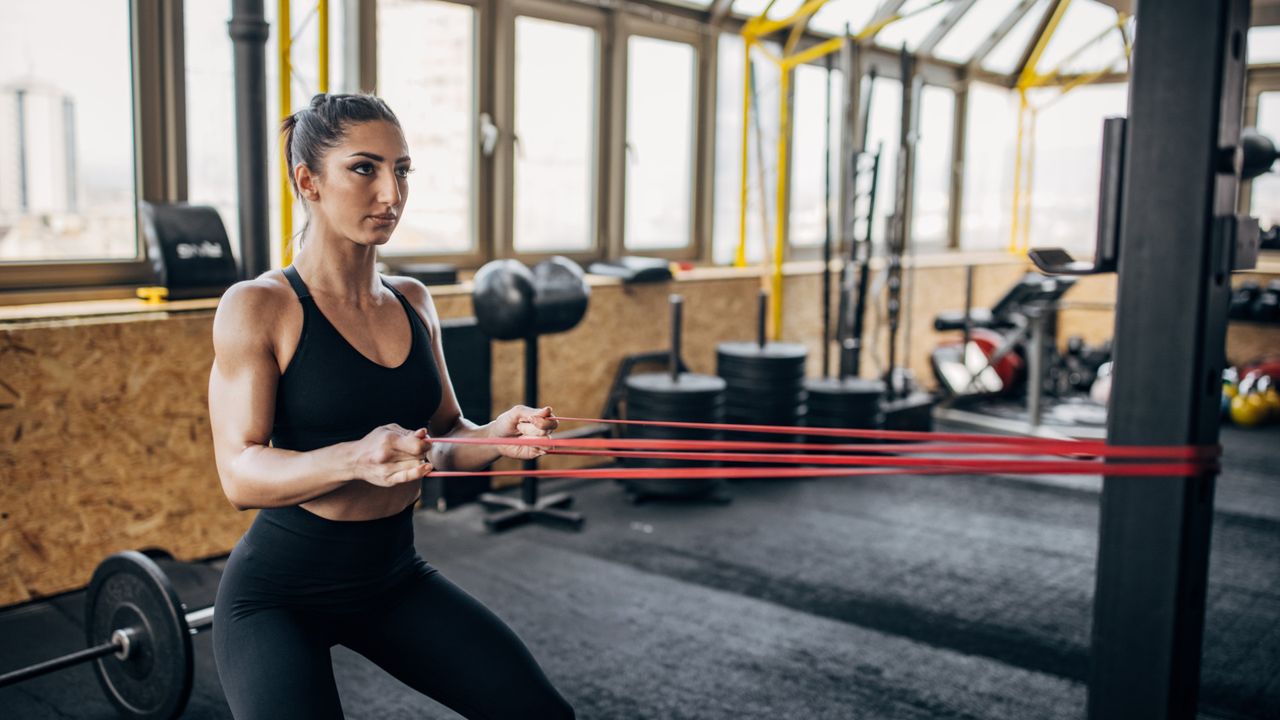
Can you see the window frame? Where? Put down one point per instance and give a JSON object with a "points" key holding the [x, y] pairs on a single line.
{"points": [[481, 166], [503, 160], [1259, 79], [159, 159], [628, 26]]}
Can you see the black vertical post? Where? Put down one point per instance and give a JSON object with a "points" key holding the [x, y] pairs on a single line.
{"points": [[762, 314], [529, 488], [826, 236], [677, 302], [1185, 100], [248, 30]]}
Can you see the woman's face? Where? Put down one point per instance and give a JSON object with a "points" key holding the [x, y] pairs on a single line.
{"points": [[363, 183]]}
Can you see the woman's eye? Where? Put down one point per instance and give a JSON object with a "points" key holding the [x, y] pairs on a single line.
{"points": [[404, 171], [363, 169]]}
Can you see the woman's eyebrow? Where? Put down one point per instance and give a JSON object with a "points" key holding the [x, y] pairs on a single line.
{"points": [[376, 157]]}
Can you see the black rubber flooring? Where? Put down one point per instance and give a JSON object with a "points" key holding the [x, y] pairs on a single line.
{"points": [[895, 597]]}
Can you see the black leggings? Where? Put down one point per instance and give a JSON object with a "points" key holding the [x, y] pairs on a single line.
{"points": [[298, 584]]}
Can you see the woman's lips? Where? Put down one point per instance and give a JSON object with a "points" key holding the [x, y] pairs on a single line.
{"points": [[383, 220]]}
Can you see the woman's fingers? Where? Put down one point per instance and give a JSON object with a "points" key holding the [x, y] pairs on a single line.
{"points": [[408, 471]]}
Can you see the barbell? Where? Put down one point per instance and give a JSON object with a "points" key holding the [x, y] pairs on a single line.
{"points": [[138, 636]]}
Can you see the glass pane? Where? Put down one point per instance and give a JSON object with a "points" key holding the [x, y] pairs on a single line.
{"points": [[809, 152], [883, 131], [975, 26], [426, 72], [780, 9], [921, 17], [1064, 204], [211, 168], [836, 14], [1086, 40], [728, 172], [659, 148], [932, 201], [1265, 192], [555, 118], [988, 167], [1264, 45], [66, 132], [1006, 55]]}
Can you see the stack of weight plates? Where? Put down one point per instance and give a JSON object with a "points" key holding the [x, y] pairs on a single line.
{"points": [[764, 386], [850, 403], [687, 398]]}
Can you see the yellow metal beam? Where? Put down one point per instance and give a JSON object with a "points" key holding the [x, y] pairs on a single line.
{"points": [[740, 257], [284, 70], [1028, 75], [761, 26], [820, 50]]}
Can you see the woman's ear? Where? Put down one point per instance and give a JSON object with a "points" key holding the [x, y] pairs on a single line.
{"points": [[308, 188]]}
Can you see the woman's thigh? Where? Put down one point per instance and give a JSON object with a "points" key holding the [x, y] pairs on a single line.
{"points": [[273, 663], [439, 640]]}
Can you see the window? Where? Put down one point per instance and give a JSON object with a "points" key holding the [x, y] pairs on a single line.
{"points": [[67, 186], [988, 167], [426, 73], [1006, 55], [660, 141], [883, 131], [1264, 45], [1265, 189], [811, 145], [1068, 146], [931, 203], [211, 144], [974, 27], [919, 17], [556, 90], [761, 190], [1087, 40]]}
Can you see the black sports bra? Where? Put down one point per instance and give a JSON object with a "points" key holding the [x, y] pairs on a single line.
{"points": [[331, 393]]}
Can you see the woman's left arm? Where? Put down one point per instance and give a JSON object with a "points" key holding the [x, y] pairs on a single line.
{"points": [[519, 421]]}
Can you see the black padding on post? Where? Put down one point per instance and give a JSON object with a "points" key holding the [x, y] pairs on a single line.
{"points": [[560, 295], [502, 295]]}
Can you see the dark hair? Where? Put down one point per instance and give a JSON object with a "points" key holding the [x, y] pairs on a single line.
{"points": [[310, 132]]}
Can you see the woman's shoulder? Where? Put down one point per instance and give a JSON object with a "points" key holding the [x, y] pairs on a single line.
{"points": [[250, 308], [414, 291], [269, 291]]}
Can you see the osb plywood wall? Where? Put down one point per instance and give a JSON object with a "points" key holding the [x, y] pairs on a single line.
{"points": [[105, 440]]}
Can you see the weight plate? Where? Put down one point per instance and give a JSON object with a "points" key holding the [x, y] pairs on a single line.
{"points": [[773, 352], [754, 379], [844, 387], [686, 384], [129, 590], [763, 401]]}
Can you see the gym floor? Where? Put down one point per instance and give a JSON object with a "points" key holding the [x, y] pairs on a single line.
{"points": [[893, 597]]}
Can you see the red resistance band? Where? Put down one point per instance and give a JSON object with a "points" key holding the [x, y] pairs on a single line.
{"points": [[851, 459]]}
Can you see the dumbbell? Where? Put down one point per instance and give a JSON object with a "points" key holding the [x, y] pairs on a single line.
{"points": [[139, 639]]}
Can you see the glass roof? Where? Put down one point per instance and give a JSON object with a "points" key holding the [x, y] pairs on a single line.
{"points": [[974, 27], [1087, 38]]}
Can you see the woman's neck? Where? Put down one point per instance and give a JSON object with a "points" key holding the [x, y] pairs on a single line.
{"points": [[339, 268]]}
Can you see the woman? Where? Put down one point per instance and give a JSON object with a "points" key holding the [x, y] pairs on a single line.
{"points": [[327, 387]]}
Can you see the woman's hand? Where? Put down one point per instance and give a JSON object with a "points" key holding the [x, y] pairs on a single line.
{"points": [[522, 421], [391, 455]]}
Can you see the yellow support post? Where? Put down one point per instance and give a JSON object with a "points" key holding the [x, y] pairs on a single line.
{"points": [[784, 138], [1016, 211], [322, 15], [284, 38]]}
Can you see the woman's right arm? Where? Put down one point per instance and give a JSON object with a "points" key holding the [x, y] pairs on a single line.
{"points": [[242, 390]]}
